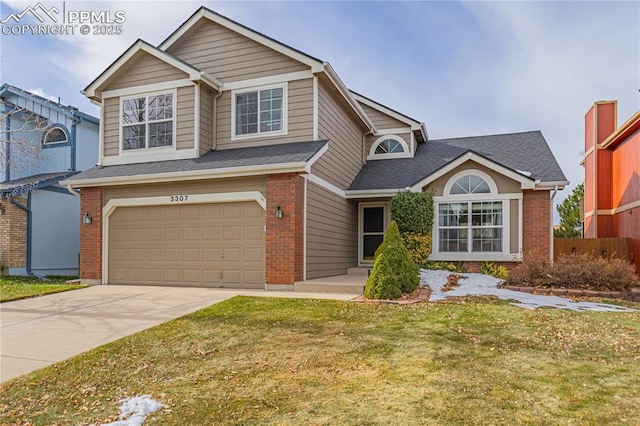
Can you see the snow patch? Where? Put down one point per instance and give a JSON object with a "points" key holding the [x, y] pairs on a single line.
{"points": [[485, 285], [134, 411]]}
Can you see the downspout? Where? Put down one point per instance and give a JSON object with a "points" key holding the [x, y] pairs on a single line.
{"points": [[214, 121], [73, 191], [74, 132], [27, 209], [552, 196], [7, 157]]}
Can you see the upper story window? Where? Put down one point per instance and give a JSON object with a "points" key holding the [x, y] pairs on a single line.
{"points": [[389, 146], [470, 184], [148, 121], [259, 112], [54, 135]]}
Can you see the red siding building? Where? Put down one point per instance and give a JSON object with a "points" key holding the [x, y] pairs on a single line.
{"points": [[612, 176]]}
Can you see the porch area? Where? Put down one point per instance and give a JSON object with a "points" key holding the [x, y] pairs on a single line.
{"points": [[351, 283]]}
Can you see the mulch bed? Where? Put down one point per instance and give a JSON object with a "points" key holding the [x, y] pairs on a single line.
{"points": [[421, 294]]}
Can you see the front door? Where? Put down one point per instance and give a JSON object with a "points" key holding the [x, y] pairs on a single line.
{"points": [[373, 223]]}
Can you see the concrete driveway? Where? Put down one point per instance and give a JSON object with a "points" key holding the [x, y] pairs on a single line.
{"points": [[40, 331]]}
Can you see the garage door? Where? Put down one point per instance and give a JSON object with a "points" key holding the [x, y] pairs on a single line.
{"points": [[208, 245]]}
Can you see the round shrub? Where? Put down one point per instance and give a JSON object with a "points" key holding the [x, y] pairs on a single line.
{"points": [[413, 212], [418, 246]]}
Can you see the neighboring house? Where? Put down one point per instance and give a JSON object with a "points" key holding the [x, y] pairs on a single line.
{"points": [[42, 143], [612, 176], [230, 159]]}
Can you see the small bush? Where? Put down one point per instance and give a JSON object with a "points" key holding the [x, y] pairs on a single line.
{"points": [[393, 269], [499, 271], [534, 271], [418, 246], [583, 271], [446, 266], [413, 212]]}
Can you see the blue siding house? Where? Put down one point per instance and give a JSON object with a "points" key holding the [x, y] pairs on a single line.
{"points": [[41, 143]]}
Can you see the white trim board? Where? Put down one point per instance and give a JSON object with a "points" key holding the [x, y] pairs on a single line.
{"points": [[113, 204]]}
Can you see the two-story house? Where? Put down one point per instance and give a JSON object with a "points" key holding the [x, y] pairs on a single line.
{"points": [[230, 159], [43, 142]]}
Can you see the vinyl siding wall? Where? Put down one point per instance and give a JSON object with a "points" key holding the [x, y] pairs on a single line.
{"points": [[332, 233], [342, 162], [382, 120], [144, 69], [299, 117], [229, 56], [206, 120]]}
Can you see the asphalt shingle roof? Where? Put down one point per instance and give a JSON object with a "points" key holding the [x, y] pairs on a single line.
{"points": [[525, 152], [32, 180], [221, 159]]}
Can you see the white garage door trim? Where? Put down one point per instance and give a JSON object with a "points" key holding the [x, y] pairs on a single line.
{"points": [[113, 204]]}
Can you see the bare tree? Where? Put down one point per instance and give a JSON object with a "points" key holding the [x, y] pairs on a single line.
{"points": [[21, 134]]}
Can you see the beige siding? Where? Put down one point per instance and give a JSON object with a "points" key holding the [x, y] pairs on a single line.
{"points": [[206, 120], [371, 139], [299, 117], [257, 183], [342, 162], [111, 126], [332, 233], [504, 184], [185, 117], [230, 56], [144, 69], [382, 120]]}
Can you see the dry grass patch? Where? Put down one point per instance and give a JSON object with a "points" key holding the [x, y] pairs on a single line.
{"points": [[291, 362], [18, 287]]}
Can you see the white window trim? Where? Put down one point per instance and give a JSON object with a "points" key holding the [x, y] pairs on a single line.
{"points": [[372, 152], [493, 196], [50, 129], [285, 101], [386, 222], [147, 152]]}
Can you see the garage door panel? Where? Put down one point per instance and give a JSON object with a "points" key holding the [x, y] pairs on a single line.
{"points": [[181, 245]]}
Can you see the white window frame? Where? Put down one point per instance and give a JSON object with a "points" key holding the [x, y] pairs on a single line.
{"points": [[386, 220], [285, 96], [493, 196], [174, 119], [372, 152], [49, 130]]}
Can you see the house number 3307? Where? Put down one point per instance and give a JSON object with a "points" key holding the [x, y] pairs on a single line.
{"points": [[178, 198]]}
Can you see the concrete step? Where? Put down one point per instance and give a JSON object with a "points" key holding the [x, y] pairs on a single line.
{"points": [[362, 270]]}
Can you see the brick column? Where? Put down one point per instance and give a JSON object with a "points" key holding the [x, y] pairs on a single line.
{"points": [[13, 235], [536, 209], [284, 240], [91, 236]]}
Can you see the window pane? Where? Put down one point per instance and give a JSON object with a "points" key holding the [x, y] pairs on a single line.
{"points": [[486, 214], [453, 240], [487, 240], [133, 137], [247, 113], [161, 107], [55, 135], [370, 244], [373, 219], [160, 134], [453, 214], [133, 110], [470, 184]]}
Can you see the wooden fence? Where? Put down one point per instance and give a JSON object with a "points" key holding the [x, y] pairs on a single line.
{"points": [[606, 247]]}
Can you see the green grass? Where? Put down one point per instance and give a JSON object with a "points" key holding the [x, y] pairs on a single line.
{"points": [[18, 287], [291, 362]]}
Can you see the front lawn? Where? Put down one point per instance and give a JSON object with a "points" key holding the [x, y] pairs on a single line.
{"points": [[291, 362], [18, 287]]}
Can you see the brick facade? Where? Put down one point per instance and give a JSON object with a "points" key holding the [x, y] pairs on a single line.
{"points": [[13, 238], [284, 238], [91, 200], [536, 232]]}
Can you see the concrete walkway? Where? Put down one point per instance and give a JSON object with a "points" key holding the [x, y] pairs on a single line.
{"points": [[37, 332]]}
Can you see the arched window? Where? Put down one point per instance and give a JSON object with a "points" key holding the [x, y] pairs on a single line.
{"points": [[389, 146], [470, 184], [54, 135]]}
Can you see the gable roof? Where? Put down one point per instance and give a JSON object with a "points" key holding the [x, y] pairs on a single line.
{"points": [[282, 158], [142, 46], [67, 110], [526, 154], [316, 65], [411, 122]]}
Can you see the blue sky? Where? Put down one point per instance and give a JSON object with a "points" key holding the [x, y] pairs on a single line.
{"points": [[463, 68]]}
